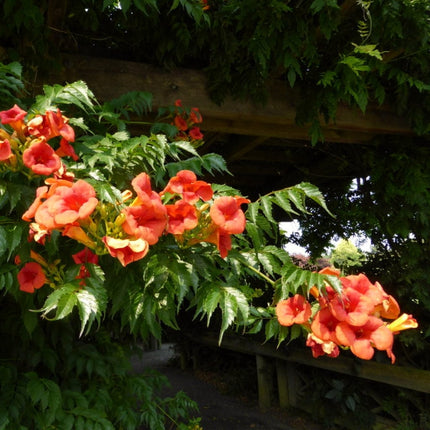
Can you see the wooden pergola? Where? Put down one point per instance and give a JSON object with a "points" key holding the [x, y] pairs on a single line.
{"points": [[264, 147]]}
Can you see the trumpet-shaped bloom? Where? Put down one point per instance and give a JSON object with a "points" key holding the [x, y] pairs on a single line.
{"points": [[324, 325], [182, 216], [404, 322], [31, 277], [388, 308], [41, 158], [294, 310], [185, 183], [38, 233], [195, 116], [227, 215], [195, 133], [221, 240], [142, 186], [51, 125], [180, 123], [146, 221], [41, 193], [85, 256], [77, 233], [125, 250], [361, 284], [14, 117], [66, 150], [67, 205], [5, 150], [352, 307], [330, 271], [320, 347], [362, 340]]}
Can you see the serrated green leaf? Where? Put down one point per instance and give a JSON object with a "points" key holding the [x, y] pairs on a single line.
{"points": [[254, 234], [297, 196], [3, 241], [92, 301], [228, 306], [266, 206], [211, 301], [214, 163], [271, 328], [14, 238], [252, 211], [295, 331], [30, 320], [256, 328], [315, 194], [283, 201], [241, 301], [52, 301], [268, 262], [65, 305], [14, 193], [108, 193]]}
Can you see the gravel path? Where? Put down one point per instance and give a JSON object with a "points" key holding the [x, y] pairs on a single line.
{"points": [[218, 411]]}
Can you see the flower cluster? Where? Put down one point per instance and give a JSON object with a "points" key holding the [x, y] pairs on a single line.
{"points": [[186, 208], [181, 209], [185, 121], [30, 141], [354, 319]]}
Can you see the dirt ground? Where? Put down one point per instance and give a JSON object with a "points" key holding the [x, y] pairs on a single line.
{"points": [[219, 411]]}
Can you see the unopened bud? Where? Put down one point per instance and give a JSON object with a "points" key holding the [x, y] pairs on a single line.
{"points": [[120, 219], [126, 195]]}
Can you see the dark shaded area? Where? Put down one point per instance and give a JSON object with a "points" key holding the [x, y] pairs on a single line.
{"points": [[222, 404]]}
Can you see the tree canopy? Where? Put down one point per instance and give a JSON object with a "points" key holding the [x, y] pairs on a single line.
{"points": [[353, 51]]}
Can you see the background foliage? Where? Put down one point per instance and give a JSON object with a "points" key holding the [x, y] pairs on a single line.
{"points": [[353, 51], [329, 52]]}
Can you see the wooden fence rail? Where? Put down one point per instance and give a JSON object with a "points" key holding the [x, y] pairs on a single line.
{"points": [[285, 360]]}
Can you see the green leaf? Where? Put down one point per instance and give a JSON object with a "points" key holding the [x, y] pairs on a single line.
{"points": [[252, 211], [3, 241], [65, 305], [59, 301], [14, 237], [14, 192], [271, 329], [296, 195], [30, 321], [211, 301], [283, 201], [76, 93], [312, 192], [254, 233], [291, 75], [266, 205], [370, 50], [108, 193]]}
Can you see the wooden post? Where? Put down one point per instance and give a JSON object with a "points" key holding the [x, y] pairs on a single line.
{"points": [[265, 381], [287, 384]]}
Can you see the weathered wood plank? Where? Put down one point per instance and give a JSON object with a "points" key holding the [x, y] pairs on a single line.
{"points": [[404, 377], [265, 381], [110, 78]]}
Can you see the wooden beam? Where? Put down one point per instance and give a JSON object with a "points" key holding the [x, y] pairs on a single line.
{"points": [[405, 377], [109, 79], [241, 148]]}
